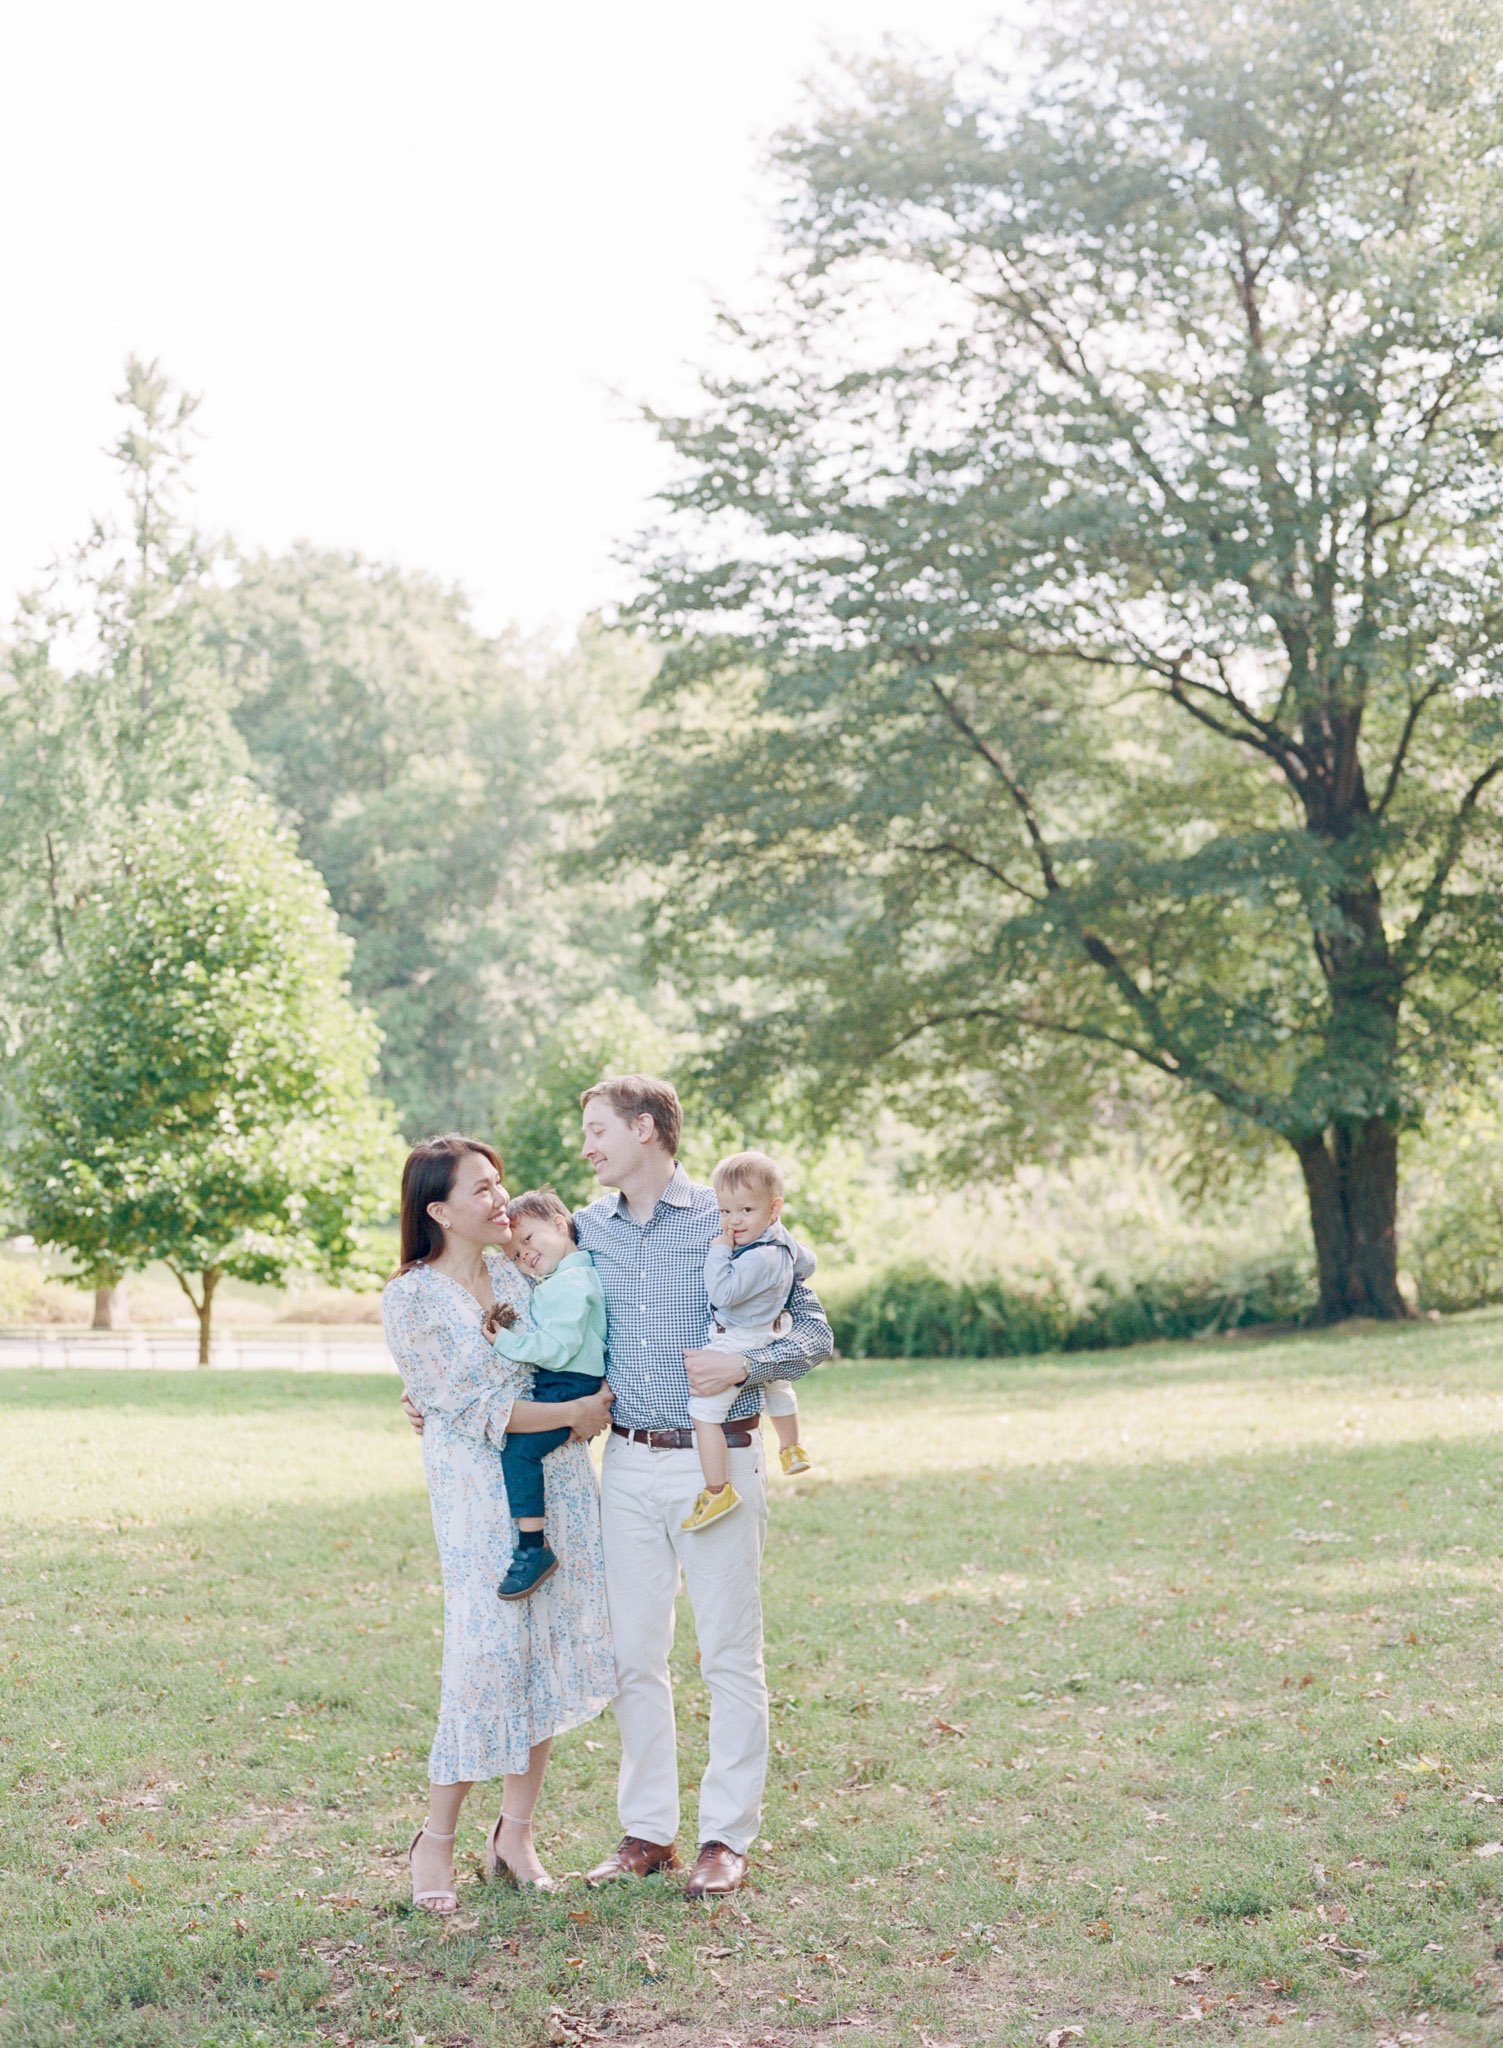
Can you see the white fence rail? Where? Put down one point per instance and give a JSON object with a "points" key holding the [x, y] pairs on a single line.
{"points": [[235, 1351]]}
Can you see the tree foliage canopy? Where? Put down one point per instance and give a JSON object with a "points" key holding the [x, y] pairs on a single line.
{"points": [[1083, 613], [431, 774], [111, 699]]}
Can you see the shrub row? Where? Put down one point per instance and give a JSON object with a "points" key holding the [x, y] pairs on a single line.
{"points": [[913, 1312]]}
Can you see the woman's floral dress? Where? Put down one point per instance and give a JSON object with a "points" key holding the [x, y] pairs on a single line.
{"points": [[515, 1671]]}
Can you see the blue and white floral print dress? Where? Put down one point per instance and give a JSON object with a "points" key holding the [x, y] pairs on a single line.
{"points": [[515, 1671]]}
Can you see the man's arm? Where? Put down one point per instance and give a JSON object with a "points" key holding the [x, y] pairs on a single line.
{"points": [[712, 1372], [809, 1341]]}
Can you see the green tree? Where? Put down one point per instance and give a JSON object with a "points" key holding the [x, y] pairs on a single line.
{"points": [[110, 700], [538, 1123], [113, 698], [433, 775], [199, 1092], [1083, 614]]}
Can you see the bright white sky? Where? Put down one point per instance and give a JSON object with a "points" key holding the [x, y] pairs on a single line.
{"points": [[420, 257]]}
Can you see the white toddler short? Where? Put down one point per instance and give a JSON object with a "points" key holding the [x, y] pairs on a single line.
{"points": [[778, 1397]]}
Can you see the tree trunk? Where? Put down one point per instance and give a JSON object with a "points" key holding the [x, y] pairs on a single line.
{"points": [[111, 1307], [1352, 1182], [210, 1280]]}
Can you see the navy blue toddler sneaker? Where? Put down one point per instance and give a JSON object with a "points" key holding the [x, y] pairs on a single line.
{"points": [[526, 1572]]}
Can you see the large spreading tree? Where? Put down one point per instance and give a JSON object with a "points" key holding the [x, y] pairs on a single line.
{"points": [[1083, 608]]}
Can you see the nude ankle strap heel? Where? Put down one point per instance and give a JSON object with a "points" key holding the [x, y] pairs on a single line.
{"points": [[440, 1902], [498, 1869]]}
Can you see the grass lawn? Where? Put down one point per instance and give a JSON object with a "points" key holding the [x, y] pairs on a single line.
{"points": [[1153, 1694]]}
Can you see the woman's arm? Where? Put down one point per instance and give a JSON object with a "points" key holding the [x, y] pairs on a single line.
{"points": [[586, 1417]]}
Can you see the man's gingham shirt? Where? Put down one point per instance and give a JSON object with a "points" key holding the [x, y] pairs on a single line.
{"points": [[653, 1274]]}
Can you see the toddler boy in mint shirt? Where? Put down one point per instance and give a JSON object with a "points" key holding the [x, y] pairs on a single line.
{"points": [[565, 1347]]}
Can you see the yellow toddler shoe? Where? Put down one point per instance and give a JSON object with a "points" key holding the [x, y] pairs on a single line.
{"points": [[712, 1507], [794, 1459]]}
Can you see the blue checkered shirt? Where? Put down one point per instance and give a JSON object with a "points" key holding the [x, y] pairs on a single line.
{"points": [[653, 1274]]}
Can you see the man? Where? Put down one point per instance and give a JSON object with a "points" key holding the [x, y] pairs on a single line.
{"points": [[649, 1239]]}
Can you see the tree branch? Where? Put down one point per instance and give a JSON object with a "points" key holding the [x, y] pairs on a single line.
{"points": [[1430, 902], [1019, 795], [1227, 1092], [949, 847], [1411, 721]]}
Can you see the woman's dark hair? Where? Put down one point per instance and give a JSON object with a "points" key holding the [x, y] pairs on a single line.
{"points": [[429, 1177]]}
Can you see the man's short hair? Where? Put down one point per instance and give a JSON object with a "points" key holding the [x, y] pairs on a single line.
{"points": [[544, 1205], [751, 1170], [634, 1095]]}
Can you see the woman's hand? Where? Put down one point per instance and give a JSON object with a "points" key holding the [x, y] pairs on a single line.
{"points": [[593, 1413], [414, 1415]]}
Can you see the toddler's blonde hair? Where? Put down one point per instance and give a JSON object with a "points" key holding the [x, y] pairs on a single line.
{"points": [[754, 1170]]}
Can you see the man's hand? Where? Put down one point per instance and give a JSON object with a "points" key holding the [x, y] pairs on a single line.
{"points": [[414, 1415], [713, 1372], [594, 1413]]}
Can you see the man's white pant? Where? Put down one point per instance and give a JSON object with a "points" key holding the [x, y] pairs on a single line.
{"points": [[644, 1496]]}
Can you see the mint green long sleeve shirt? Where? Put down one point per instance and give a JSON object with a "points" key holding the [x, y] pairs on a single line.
{"points": [[568, 1318]]}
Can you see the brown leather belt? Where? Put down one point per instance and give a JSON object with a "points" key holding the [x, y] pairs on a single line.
{"points": [[737, 1434]]}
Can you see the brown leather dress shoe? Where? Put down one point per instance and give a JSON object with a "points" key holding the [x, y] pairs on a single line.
{"points": [[717, 1869], [634, 1858]]}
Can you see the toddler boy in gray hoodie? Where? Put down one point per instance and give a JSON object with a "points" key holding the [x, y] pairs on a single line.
{"points": [[750, 1273]]}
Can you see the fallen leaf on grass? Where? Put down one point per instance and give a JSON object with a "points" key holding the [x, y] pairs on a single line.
{"points": [[569, 2029], [1489, 1849], [1058, 2036], [1342, 1948], [947, 1727]]}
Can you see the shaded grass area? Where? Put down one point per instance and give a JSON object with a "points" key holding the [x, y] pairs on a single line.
{"points": [[1154, 1694]]}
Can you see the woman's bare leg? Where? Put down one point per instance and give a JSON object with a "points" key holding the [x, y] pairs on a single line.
{"points": [[433, 1858], [519, 1800]]}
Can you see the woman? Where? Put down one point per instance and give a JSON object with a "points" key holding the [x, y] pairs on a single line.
{"points": [[515, 1674]]}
